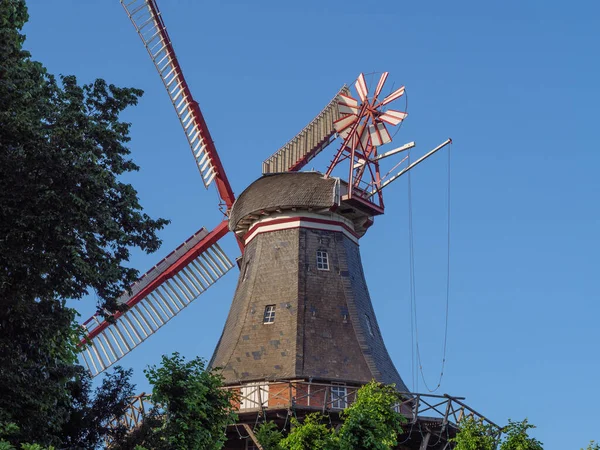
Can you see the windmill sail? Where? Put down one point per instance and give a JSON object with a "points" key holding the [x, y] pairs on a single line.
{"points": [[146, 19], [317, 135], [156, 298]]}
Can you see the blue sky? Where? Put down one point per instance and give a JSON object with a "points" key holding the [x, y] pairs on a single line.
{"points": [[514, 83]]}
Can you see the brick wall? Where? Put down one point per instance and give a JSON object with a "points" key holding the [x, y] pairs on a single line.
{"points": [[324, 328]]}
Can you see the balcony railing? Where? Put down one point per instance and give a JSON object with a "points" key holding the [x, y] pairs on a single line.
{"points": [[263, 397]]}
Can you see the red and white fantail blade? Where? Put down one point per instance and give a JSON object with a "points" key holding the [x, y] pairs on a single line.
{"points": [[347, 104], [361, 87], [345, 123], [356, 139], [393, 117], [393, 96], [379, 134], [375, 140], [364, 137], [383, 133], [382, 79]]}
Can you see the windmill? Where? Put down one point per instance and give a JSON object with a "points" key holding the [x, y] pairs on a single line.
{"points": [[301, 330]]}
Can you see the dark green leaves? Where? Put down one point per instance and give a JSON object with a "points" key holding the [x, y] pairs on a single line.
{"points": [[67, 224], [312, 433], [66, 220], [269, 436], [191, 410], [475, 435], [516, 437], [371, 422]]}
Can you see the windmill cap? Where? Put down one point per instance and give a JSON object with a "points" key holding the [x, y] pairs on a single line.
{"points": [[283, 191]]}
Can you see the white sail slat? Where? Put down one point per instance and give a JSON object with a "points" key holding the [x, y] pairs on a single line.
{"points": [[155, 299], [151, 29], [317, 135]]}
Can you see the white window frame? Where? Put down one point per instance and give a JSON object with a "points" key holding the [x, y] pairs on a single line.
{"points": [[269, 315], [249, 395], [339, 396], [322, 260]]}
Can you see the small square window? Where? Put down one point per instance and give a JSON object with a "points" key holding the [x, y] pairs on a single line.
{"points": [[339, 397], [322, 260], [269, 316]]}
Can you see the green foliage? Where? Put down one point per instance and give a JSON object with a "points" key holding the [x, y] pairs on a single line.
{"points": [[67, 224], [88, 413], [9, 429], [475, 435], [35, 447], [4, 445], [6, 431], [311, 434], [191, 410], [90, 418], [516, 437], [593, 446], [371, 422], [269, 435], [36, 356]]}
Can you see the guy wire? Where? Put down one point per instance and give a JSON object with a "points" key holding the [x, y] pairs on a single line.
{"points": [[413, 287]]}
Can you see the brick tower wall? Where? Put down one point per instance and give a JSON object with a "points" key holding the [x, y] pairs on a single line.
{"points": [[325, 328]]}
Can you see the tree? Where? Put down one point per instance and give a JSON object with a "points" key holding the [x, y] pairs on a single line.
{"points": [[593, 446], [91, 414], [312, 434], [475, 435], [92, 418], [190, 411], [516, 437], [67, 224], [372, 422], [269, 435]]}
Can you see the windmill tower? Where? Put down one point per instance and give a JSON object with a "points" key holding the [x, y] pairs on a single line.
{"points": [[301, 334]]}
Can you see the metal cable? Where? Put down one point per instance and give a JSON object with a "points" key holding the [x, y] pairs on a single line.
{"points": [[413, 285]]}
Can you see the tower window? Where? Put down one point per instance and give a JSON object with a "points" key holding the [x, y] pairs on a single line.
{"points": [[339, 397], [322, 260], [269, 316]]}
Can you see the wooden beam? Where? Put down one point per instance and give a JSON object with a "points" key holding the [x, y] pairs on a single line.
{"points": [[425, 441], [252, 436]]}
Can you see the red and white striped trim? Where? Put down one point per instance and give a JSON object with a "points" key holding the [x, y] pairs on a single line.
{"points": [[279, 222]]}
